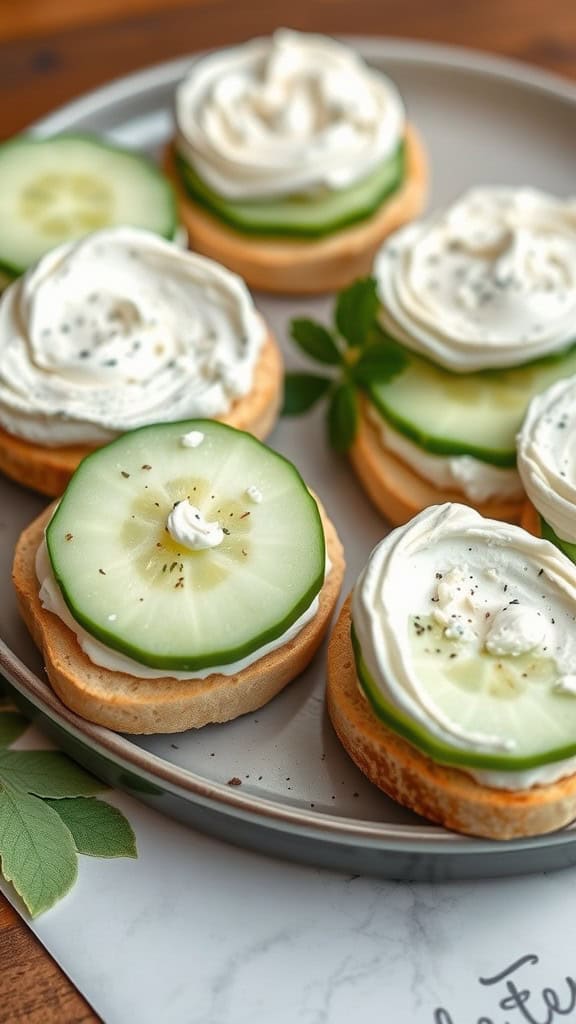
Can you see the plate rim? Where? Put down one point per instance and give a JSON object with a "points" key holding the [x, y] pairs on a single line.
{"points": [[269, 812]]}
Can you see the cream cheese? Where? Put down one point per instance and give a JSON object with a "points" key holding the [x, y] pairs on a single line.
{"points": [[294, 113], [488, 282], [188, 527], [546, 447], [465, 474], [503, 603], [106, 657], [119, 330]]}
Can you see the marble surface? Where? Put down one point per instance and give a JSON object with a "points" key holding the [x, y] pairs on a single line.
{"points": [[199, 932]]}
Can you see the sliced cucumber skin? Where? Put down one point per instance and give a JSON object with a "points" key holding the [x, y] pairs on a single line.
{"points": [[299, 216], [430, 383], [14, 269], [564, 545], [440, 752], [199, 660]]}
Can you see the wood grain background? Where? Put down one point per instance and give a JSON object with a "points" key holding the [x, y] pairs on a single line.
{"points": [[53, 50]]}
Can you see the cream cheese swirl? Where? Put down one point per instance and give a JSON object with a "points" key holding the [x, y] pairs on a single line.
{"points": [[290, 114], [118, 330], [546, 447], [488, 282], [492, 590]]}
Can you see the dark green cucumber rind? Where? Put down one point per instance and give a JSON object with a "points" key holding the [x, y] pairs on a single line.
{"points": [[202, 660], [505, 458], [15, 270], [279, 218], [565, 546], [440, 752]]}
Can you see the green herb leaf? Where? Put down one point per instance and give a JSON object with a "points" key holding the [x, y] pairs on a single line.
{"points": [[302, 391], [342, 417], [379, 363], [316, 341], [12, 725], [36, 849], [46, 773], [356, 309], [98, 829]]}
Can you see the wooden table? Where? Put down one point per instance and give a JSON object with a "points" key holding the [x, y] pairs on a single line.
{"points": [[52, 51]]}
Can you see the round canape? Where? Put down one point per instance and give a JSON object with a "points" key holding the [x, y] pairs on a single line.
{"points": [[546, 463], [292, 161], [119, 330], [58, 189], [476, 295], [185, 577], [450, 674]]}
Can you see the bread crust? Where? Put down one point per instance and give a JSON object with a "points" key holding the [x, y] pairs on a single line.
{"points": [[446, 795], [530, 520], [396, 489], [298, 267], [126, 704], [48, 470]]}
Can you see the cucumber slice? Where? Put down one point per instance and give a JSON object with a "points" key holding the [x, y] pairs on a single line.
{"points": [[476, 414], [483, 691], [128, 583], [55, 190], [300, 216], [564, 545]]}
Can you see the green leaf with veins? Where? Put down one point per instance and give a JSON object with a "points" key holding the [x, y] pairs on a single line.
{"points": [[46, 773], [302, 391], [378, 364], [12, 725], [98, 829], [342, 417], [36, 850], [316, 341], [356, 311]]}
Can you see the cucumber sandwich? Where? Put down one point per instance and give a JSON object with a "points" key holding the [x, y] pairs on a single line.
{"points": [[450, 676], [185, 577], [478, 296]]}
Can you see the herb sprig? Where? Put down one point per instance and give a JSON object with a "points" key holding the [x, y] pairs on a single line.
{"points": [[357, 352]]}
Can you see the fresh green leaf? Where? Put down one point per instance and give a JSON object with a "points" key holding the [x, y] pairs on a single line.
{"points": [[316, 341], [36, 850], [46, 773], [342, 417], [356, 309], [98, 829], [302, 391], [379, 363], [12, 725]]}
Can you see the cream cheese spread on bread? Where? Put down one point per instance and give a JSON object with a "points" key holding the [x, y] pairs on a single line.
{"points": [[457, 618], [119, 330], [294, 113]]}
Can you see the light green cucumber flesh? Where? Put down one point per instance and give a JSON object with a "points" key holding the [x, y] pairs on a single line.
{"points": [[513, 697], [300, 216], [476, 414], [564, 545], [58, 189], [129, 584]]}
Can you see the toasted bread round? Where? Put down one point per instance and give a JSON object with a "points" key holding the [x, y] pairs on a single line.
{"points": [[530, 520], [125, 703], [396, 489], [294, 266], [48, 470], [444, 794]]}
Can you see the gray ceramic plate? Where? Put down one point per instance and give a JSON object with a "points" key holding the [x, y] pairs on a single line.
{"points": [[483, 120]]}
